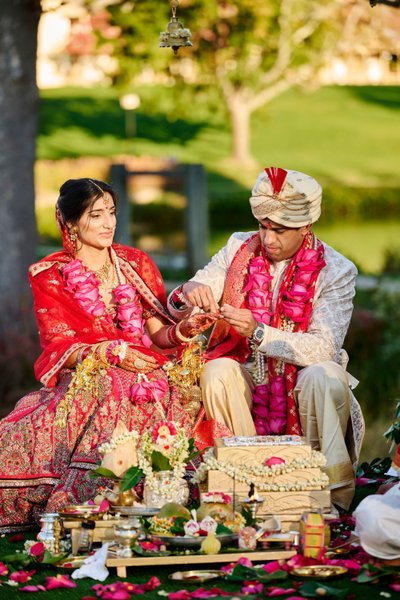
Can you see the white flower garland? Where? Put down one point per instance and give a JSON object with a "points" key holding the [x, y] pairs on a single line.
{"points": [[177, 458], [243, 473], [114, 442]]}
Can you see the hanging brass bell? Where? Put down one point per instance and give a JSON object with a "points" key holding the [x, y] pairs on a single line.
{"points": [[175, 36]]}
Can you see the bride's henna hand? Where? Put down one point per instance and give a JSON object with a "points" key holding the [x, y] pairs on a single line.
{"points": [[138, 362], [196, 324]]}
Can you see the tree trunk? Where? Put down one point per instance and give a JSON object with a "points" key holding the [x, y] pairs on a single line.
{"points": [[18, 126], [240, 125]]}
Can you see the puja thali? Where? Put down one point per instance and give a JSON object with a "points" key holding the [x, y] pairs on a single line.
{"points": [[135, 511], [183, 541], [71, 562], [77, 512], [199, 576], [319, 571]]}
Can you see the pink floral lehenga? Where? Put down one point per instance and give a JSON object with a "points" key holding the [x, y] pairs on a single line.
{"points": [[45, 461]]}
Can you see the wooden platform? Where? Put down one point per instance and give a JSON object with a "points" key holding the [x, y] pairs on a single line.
{"points": [[122, 564]]}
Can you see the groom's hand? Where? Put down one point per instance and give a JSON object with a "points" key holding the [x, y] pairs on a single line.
{"points": [[201, 295]]}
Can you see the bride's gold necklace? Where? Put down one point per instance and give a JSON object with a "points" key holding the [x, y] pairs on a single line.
{"points": [[104, 273]]}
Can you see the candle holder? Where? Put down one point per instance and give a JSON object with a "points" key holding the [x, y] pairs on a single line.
{"points": [[126, 531], [252, 505]]}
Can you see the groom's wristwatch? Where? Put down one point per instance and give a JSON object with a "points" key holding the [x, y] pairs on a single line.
{"points": [[258, 334]]}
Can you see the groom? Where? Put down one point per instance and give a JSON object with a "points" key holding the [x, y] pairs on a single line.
{"points": [[275, 359]]}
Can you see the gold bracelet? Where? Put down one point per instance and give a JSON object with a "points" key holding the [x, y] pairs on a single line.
{"points": [[103, 353]]}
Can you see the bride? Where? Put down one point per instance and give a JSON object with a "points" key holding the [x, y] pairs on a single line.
{"points": [[105, 336]]}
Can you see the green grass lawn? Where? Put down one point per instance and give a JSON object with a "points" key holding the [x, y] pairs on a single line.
{"points": [[347, 135]]}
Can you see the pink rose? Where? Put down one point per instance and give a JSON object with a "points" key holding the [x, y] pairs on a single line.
{"points": [[306, 265], [274, 565], [260, 410], [128, 312], [258, 299], [303, 277], [86, 295], [277, 426], [37, 550], [293, 310], [146, 391], [273, 460], [73, 268], [260, 281], [124, 293], [278, 386], [261, 427], [141, 392], [159, 388], [256, 265], [308, 254], [262, 315], [21, 576], [299, 291], [60, 581]]}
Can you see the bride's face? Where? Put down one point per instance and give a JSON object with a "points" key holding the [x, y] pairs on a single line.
{"points": [[97, 224]]}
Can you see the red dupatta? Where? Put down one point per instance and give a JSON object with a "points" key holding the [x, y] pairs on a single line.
{"points": [[64, 326]]}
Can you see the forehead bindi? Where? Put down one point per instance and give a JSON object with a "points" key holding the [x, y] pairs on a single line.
{"points": [[104, 203]]}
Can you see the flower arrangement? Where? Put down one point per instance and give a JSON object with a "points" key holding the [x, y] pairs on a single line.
{"points": [[246, 473], [216, 497], [163, 448]]}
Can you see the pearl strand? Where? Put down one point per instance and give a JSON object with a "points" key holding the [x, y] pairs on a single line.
{"points": [[259, 365], [117, 265]]}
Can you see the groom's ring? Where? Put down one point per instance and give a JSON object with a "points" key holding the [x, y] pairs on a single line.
{"points": [[139, 363]]}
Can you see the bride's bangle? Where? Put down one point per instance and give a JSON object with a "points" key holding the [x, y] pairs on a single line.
{"points": [[180, 336]]}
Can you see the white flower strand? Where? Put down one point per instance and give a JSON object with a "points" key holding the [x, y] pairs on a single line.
{"points": [[177, 458], [114, 442], [242, 473]]}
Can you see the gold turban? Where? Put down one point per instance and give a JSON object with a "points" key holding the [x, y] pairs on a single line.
{"points": [[290, 198]]}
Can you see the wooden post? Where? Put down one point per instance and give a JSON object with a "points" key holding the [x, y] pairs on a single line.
{"points": [[196, 217], [119, 183]]}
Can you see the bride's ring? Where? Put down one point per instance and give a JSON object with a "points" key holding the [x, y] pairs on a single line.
{"points": [[139, 363]]}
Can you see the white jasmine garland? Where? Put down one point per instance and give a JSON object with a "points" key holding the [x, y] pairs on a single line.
{"points": [[177, 456], [246, 473], [114, 442]]}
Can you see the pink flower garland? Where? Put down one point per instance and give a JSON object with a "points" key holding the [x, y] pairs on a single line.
{"points": [[294, 305], [84, 287]]}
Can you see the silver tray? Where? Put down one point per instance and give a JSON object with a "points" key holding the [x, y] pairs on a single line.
{"points": [[195, 577], [182, 541], [134, 511]]}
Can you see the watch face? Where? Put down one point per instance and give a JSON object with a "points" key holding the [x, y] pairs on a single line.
{"points": [[258, 334]]}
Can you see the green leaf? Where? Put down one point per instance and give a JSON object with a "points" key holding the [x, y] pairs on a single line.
{"points": [[248, 517], [103, 472], [137, 549], [370, 573], [52, 559], [223, 530], [17, 559], [177, 527], [312, 589], [242, 573], [130, 478], [265, 577], [159, 462]]}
